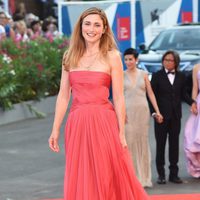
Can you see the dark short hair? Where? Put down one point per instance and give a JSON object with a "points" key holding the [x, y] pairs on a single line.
{"points": [[131, 51], [175, 55], [18, 17], [34, 22]]}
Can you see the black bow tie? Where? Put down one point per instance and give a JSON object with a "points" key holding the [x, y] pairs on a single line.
{"points": [[171, 72]]}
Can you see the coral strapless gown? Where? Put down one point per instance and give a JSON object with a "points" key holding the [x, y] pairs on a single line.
{"points": [[97, 166]]}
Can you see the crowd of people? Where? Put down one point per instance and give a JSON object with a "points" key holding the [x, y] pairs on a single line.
{"points": [[22, 26], [166, 92], [168, 86]]}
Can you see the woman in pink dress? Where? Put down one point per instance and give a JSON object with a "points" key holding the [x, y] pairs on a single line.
{"points": [[192, 130], [98, 164]]}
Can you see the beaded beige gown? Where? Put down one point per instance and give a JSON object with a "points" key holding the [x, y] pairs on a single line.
{"points": [[137, 127]]}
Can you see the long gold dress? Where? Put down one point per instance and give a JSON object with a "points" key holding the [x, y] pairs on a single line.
{"points": [[137, 127]]}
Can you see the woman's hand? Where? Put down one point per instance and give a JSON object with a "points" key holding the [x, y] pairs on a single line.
{"points": [[194, 109], [159, 118], [53, 142], [122, 140]]}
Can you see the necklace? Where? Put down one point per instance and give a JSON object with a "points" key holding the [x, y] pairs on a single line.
{"points": [[91, 63], [93, 54]]}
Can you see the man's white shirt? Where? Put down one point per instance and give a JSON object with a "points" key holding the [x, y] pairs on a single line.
{"points": [[171, 77]]}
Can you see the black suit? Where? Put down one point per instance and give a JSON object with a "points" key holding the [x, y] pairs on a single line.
{"points": [[169, 99]]}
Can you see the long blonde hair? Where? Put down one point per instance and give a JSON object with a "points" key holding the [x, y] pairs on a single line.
{"points": [[77, 45]]}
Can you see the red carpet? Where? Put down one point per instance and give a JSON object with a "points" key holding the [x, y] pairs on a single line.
{"points": [[167, 197], [175, 197]]}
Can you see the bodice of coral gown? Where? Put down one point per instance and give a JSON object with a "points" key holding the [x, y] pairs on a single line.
{"points": [[90, 89]]}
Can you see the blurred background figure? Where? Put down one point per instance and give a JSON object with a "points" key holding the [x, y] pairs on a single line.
{"points": [[21, 32], [6, 23], [29, 18], [49, 8], [36, 29], [20, 12], [50, 28], [155, 15], [192, 130], [2, 29]]}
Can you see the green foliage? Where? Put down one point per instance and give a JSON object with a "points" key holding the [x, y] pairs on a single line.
{"points": [[29, 71]]}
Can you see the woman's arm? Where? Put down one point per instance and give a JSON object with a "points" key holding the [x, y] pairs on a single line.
{"points": [[151, 96], [195, 89], [195, 82], [118, 96], [12, 34], [60, 109]]}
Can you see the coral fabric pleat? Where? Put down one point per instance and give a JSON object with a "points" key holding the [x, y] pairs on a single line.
{"points": [[97, 166]]}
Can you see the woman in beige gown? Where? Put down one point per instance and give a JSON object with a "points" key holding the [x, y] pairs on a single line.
{"points": [[136, 86]]}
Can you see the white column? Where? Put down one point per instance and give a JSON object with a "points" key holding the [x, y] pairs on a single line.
{"points": [[133, 24], [59, 16], [195, 10]]}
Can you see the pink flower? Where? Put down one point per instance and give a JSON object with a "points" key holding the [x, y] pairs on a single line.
{"points": [[49, 36], [40, 67]]}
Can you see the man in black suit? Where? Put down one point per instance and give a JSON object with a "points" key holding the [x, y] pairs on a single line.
{"points": [[169, 88]]}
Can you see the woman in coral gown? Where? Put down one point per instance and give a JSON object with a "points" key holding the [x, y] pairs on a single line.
{"points": [[98, 164], [192, 130]]}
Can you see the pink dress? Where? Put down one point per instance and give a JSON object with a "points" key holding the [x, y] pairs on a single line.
{"points": [[192, 139], [97, 166]]}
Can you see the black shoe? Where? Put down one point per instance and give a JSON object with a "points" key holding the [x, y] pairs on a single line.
{"points": [[161, 180], [175, 179]]}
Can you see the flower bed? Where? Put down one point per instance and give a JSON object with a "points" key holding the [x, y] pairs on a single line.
{"points": [[29, 71]]}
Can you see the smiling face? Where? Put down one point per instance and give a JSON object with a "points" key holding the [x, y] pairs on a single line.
{"points": [[130, 61], [92, 28]]}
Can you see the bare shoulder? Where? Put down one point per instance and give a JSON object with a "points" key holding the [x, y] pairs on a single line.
{"points": [[114, 53], [196, 67], [114, 58], [142, 72], [145, 75]]}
